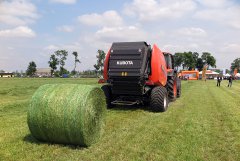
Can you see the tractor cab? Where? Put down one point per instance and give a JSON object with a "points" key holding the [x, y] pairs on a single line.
{"points": [[169, 63], [169, 60]]}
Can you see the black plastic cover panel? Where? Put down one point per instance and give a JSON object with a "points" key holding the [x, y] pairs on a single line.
{"points": [[127, 66], [128, 59]]}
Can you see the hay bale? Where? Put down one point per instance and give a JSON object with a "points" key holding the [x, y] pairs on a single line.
{"points": [[67, 114]]}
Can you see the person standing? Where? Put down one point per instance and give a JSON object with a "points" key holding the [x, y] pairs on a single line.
{"points": [[219, 79], [230, 81]]}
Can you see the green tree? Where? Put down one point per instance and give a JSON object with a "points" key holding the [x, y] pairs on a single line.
{"points": [[53, 62], [178, 59], [96, 67], [228, 71], [205, 56], [62, 54], [208, 59], [32, 68], [65, 71], [191, 60], [17, 74], [188, 61], [235, 65], [199, 64], [2, 71], [195, 56], [100, 61], [219, 71], [76, 60]]}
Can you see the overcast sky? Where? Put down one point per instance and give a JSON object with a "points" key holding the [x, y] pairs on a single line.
{"points": [[33, 30]]}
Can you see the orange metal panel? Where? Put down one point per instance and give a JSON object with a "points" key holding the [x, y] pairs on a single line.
{"points": [[158, 67], [105, 70]]}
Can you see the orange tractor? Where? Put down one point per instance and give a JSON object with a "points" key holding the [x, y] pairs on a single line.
{"points": [[135, 73]]}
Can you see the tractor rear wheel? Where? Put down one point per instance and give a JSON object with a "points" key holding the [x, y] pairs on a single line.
{"points": [[108, 95], [159, 99], [172, 88], [179, 88]]}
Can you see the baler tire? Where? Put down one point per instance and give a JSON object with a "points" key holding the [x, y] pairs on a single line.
{"points": [[108, 95], [159, 99], [170, 88], [179, 88]]}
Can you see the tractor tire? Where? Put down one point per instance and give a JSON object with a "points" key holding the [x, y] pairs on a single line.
{"points": [[108, 95], [159, 99], [172, 88], [179, 88]]}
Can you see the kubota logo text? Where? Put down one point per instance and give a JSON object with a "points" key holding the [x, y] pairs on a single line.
{"points": [[124, 62]]}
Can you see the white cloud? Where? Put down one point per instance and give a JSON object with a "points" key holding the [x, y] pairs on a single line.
{"points": [[149, 10], [11, 20], [192, 32], [17, 12], [64, 1], [69, 47], [65, 28], [214, 3], [51, 47], [227, 53], [74, 46], [231, 48], [108, 18], [228, 15], [21, 31], [126, 33], [172, 48], [104, 37]]}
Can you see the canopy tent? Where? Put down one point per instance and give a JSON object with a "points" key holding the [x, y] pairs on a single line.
{"points": [[209, 72], [227, 75], [237, 75]]}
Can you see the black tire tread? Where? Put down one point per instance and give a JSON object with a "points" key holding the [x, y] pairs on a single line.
{"points": [[179, 88], [157, 99], [170, 88]]}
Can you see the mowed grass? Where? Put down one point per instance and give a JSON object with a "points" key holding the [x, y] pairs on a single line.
{"points": [[204, 124]]}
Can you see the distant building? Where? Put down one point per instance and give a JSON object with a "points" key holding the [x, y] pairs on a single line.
{"points": [[6, 75], [43, 72]]}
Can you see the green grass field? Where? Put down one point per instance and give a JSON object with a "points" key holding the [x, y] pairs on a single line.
{"points": [[204, 124]]}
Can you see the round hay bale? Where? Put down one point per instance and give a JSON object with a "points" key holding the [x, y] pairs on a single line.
{"points": [[67, 114]]}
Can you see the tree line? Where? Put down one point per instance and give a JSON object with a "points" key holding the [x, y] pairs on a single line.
{"points": [[57, 63], [185, 60], [193, 60], [58, 59], [235, 65]]}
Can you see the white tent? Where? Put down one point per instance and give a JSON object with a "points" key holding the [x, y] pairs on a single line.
{"points": [[215, 73], [210, 73], [237, 75], [227, 75]]}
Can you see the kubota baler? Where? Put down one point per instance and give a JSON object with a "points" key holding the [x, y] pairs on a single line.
{"points": [[135, 73]]}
